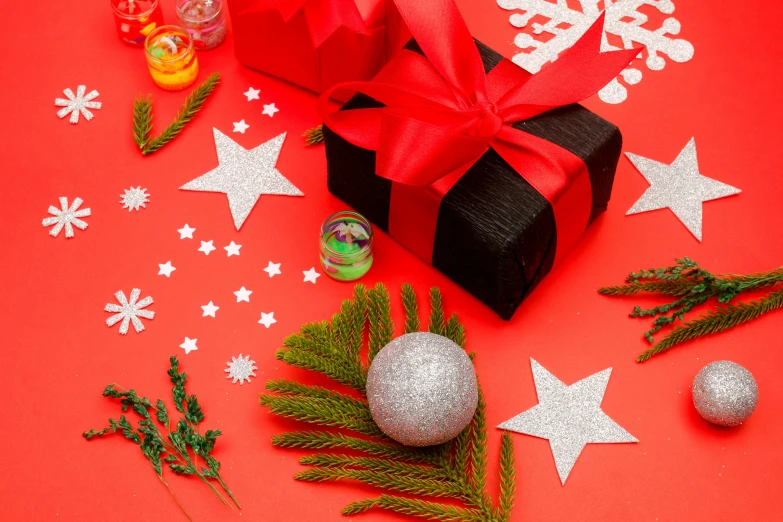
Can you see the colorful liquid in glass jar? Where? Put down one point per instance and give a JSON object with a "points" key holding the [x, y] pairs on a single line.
{"points": [[346, 246], [171, 58], [135, 19], [205, 22]]}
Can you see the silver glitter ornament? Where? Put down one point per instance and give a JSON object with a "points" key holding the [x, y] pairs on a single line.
{"points": [[244, 175], [569, 416], [422, 389], [679, 187], [78, 103], [725, 393]]}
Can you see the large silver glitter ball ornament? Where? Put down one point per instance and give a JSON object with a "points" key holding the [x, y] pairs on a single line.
{"points": [[422, 389], [725, 393]]}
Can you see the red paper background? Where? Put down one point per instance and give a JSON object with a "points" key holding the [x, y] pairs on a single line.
{"points": [[57, 353]]}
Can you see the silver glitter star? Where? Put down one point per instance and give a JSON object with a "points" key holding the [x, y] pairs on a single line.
{"points": [[243, 175], [569, 416], [129, 311], [241, 369], [678, 186], [78, 103], [134, 198]]}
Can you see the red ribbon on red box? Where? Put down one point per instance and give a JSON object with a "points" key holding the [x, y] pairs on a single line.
{"points": [[443, 112]]}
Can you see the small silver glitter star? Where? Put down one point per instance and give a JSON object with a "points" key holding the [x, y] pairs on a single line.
{"points": [[569, 416], [129, 310], [240, 369], [78, 103], [243, 175], [679, 187], [134, 198]]}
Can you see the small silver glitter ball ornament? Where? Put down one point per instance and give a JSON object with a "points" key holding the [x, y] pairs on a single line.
{"points": [[422, 389], [725, 393]]}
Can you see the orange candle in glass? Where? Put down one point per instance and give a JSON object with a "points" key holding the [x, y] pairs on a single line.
{"points": [[171, 58], [135, 19]]}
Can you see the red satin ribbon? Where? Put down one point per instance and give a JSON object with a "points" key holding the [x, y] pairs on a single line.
{"points": [[443, 112], [323, 17]]}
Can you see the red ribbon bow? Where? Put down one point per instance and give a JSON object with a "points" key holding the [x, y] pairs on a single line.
{"points": [[323, 17], [443, 112]]}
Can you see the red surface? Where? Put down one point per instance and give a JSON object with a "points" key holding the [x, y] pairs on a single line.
{"points": [[58, 354]]}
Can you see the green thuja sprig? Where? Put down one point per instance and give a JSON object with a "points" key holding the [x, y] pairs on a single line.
{"points": [[455, 471], [179, 447], [142, 117], [694, 286], [314, 136]]}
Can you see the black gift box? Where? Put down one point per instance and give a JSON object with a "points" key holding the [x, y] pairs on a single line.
{"points": [[495, 234]]}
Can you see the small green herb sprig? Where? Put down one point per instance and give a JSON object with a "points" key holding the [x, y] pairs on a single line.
{"points": [[179, 449], [314, 136], [142, 117], [455, 471], [692, 286]]}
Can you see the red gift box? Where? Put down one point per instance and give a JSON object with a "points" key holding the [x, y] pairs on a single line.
{"points": [[316, 43]]}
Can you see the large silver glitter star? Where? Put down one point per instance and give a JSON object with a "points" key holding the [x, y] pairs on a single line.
{"points": [[243, 175], [678, 186], [569, 416]]}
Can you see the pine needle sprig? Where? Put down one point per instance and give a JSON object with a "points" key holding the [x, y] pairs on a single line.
{"points": [[694, 286], [455, 471], [142, 116], [180, 447], [314, 136]]}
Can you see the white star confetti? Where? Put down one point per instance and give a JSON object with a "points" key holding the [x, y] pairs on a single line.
{"points": [[209, 309], [267, 319], [679, 187], [232, 249], [206, 247], [252, 94], [310, 275], [189, 345], [273, 269], [270, 110], [569, 416], [129, 310], [77, 104], [67, 217], [240, 369], [244, 175], [186, 232], [243, 295], [166, 269], [134, 198], [241, 126]]}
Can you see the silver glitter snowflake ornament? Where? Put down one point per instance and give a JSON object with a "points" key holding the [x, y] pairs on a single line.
{"points": [[244, 175], [129, 310], [625, 19], [679, 187], [240, 369], [569, 416], [78, 103], [66, 217], [134, 198]]}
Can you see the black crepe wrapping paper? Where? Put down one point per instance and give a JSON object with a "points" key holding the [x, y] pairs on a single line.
{"points": [[495, 235]]}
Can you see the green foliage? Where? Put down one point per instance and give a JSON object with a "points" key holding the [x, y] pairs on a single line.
{"points": [[181, 448], [142, 117], [694, 286], [314, 136], [455, 471]]}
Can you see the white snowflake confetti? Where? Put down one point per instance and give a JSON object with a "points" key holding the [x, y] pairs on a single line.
{"points": [[129, 310], [66, 217], [624, 19], [241, 369], [134, 198], [77, 103]]}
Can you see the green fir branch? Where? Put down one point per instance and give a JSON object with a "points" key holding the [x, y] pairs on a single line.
{"points": [[142, 116], [455, 471], [314, 136]]}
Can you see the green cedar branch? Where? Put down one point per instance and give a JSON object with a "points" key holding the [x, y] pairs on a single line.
{"points": [[314, 136]]}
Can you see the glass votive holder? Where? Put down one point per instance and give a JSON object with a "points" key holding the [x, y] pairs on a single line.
{"points": [[346, 246], [135, 19], [204, 20], [171, 57]]}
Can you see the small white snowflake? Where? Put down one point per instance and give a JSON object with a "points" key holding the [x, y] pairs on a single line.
{"points": [[77, 103], [240, 369], [129, 310], [134, 198], [66, 217]]}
